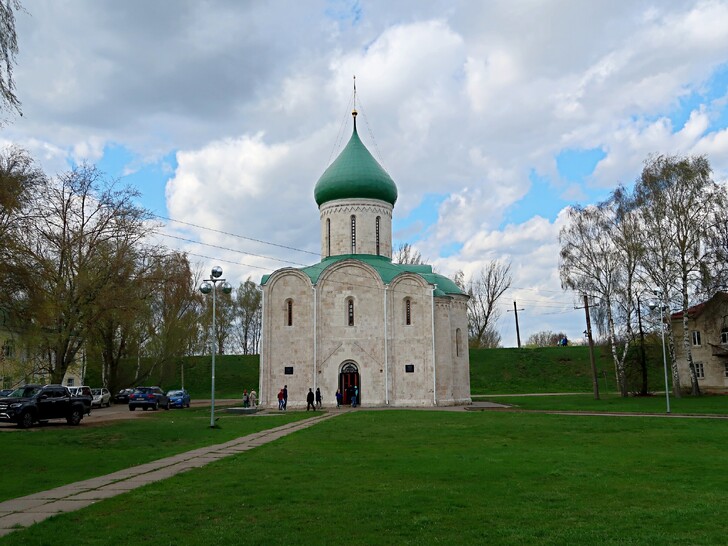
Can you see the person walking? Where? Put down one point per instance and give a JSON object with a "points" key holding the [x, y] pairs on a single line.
{"points": [[246, 399], [280, 400], [309, 400], [354, 396], [318, 397], [253, 399], [338, 398], [285, 397]]}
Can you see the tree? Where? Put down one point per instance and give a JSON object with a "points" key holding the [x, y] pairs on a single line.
{"points": [[591, 263], [248, 299], [407, 254], [8, 50], [69, 248], [679, 199], [493, 279], [544, 338]]}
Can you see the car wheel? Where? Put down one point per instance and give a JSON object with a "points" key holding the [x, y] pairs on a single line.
{"points": [[155, 407], [26, 420], [75, 418], [132, 408], [167, 406]]}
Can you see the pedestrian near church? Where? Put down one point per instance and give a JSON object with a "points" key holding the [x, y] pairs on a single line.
{"points": [[318, 397], [338, 398], [280, 400], [253, 399], [354, 396], [246, 399], [309, 400], [285, 397]]}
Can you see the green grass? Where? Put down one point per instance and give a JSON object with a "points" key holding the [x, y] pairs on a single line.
{"points": [[417, 477], [550, 369], [715, 404], [44, 458]]}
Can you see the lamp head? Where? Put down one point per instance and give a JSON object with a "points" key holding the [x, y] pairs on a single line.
{"points": [[217, 271], [206, 287], [226, 287]]}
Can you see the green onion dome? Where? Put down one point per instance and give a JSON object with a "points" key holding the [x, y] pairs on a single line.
{"points": [[355, 173]]}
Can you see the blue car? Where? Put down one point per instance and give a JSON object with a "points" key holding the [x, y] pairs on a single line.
{"points": [[179, 399]]}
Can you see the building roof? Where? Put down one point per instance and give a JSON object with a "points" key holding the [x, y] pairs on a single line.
{"points": [[387, 271], [355, 173], [696, 310]]}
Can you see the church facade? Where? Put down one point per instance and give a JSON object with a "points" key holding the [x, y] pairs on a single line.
{"points": [[396, 332]]}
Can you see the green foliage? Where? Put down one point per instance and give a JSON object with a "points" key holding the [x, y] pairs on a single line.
{"points": [[416, 477], [551, 369]]}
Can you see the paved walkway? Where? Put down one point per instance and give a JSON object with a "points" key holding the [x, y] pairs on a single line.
{"points": [[25, 511]]}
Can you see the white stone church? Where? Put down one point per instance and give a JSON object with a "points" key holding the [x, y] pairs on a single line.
{"points": [[397, 332]]}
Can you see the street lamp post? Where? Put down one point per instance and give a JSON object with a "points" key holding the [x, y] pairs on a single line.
{"points": [[663, 308], [207, 286]]}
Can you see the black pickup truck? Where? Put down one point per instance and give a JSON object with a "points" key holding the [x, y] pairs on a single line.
{"points": [[33, 403]]}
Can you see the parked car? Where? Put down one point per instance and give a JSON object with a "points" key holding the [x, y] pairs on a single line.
{"points": [[101, 397], [122, 397], [148, 397], [179, 398], [83, 392], [33, 403]]}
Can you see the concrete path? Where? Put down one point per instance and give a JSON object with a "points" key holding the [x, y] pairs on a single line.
{"points": [[25, 511]]}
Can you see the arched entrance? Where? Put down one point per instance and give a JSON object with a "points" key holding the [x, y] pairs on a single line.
{"points": [[348, 379]]}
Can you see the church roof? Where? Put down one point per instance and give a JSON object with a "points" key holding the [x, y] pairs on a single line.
{"points": [[355, 173], [387, 271]]}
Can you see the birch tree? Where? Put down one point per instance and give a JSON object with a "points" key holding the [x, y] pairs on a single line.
{"points": [[485, 289]]}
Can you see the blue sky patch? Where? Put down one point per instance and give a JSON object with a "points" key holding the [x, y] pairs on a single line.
{"points": [[409, 229], [149, 178]]}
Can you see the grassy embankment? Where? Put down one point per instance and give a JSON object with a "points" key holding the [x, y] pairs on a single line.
{"points": [[414, 477]]}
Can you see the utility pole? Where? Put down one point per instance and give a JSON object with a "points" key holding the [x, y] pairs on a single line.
{"points": [[642, 349], [518, 332], [595, 378]]}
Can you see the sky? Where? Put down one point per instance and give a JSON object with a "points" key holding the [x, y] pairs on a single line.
{"points": [[491, 117]]}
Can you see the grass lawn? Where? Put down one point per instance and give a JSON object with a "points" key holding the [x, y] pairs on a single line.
{"points": [[423, 477], [43, 457], [707, 404]]}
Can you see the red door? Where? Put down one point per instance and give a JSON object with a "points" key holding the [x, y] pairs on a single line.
{"points": [[348, 379]]}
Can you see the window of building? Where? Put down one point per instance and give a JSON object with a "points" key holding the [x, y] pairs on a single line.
{"points": [[377, 234], [8, 348], [350, 311], [69, 382], [726, 369], [724, 336], [288, 370], [699, 370], [353, 234], [696, 337], [328, 236], [458, 342], [408, 312], [409, 368], [289, 312]]}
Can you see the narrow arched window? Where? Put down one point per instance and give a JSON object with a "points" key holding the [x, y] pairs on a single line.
{"points": [[458, 342], [289, 312], [377, 233], [328, 236], [353, 234], [408, 312], [350, 312]]}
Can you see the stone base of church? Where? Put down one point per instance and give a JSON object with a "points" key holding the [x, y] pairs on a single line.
{"points": [[297, 406]]}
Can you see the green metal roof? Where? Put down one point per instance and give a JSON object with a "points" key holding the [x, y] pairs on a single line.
{"points": [[386, 269], [355, 173]]}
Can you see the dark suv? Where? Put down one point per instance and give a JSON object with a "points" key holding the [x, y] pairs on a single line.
{"points": [[148, 397], [37, 403]]}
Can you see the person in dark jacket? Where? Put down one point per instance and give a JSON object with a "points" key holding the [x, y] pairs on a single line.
{"points": [[309, 400], [318, 398]]}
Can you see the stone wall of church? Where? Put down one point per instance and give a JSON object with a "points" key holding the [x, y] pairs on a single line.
{"points": [[336, 228], [410, 346], [283, 345], [400, 374], [361, 343]]}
